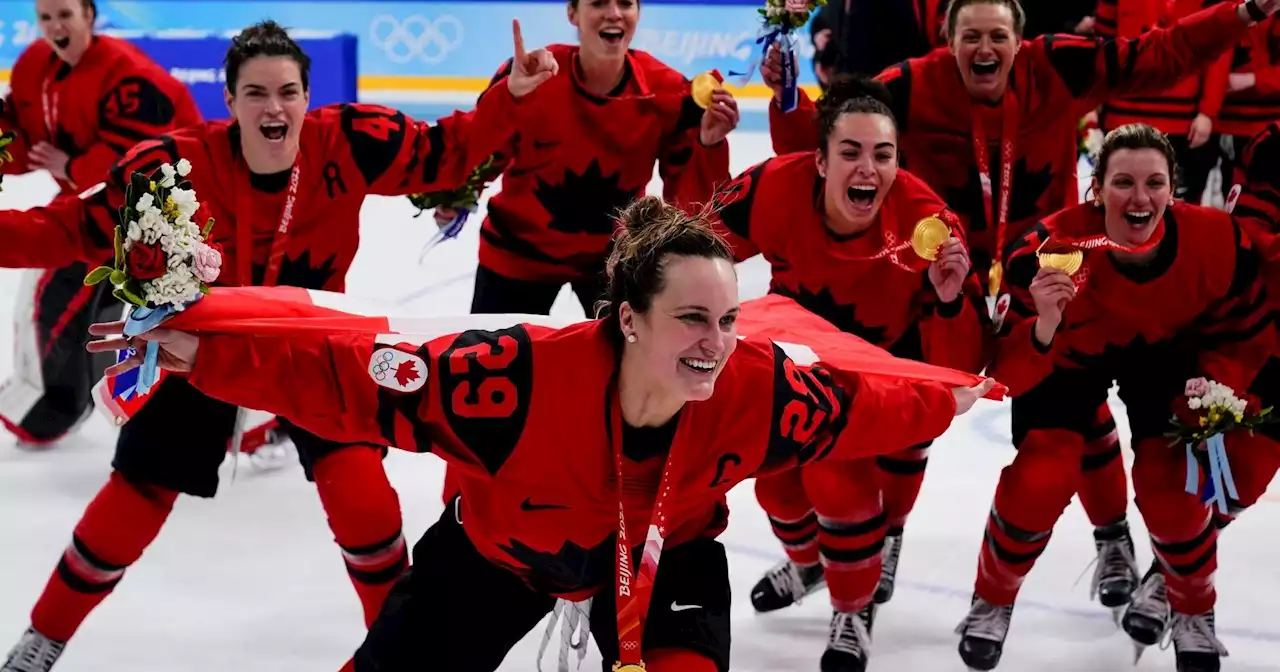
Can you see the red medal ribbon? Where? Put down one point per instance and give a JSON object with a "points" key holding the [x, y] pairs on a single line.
{"points": [[635, 589], [244, 230], [1010, 118]]}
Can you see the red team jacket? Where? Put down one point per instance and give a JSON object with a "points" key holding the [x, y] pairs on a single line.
{"points": [[1202, 289], [577, 158], [1248, 112], [114, 98], [1056, 79], [347, 152], [775, 209], [538, 476]]}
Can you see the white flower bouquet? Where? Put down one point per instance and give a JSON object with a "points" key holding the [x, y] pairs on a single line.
{"points": [[163, 260], [1214, 409]]}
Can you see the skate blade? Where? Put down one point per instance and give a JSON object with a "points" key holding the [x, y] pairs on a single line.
{"points": [[1117, 614], [1138, 650]]}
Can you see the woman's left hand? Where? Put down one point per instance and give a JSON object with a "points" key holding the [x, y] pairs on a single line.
{"points": [[46, 156], [720, 117], [948, 271], [966, 397], [177, 348]]}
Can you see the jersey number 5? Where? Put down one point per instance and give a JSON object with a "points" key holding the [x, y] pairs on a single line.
{"points": [[493, 395]]}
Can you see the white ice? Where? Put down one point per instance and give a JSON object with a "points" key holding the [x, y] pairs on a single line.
{"points": [[252, 581]]}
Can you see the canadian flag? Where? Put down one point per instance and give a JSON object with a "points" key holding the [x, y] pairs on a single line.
{"points": [[284, 311]]}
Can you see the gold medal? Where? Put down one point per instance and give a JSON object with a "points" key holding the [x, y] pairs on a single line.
{"points": [[702, 87], [1065, 259], [930, 233], [630, 667], [994, 276]]}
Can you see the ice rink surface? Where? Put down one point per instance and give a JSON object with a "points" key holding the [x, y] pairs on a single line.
{"points": [[252, 581]]}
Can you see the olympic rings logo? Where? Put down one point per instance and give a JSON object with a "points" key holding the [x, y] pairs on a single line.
{"points": [[416, 38], [383, 365]]}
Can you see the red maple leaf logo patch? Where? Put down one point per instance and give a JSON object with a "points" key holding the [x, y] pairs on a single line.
{"points": [[406, 372]]}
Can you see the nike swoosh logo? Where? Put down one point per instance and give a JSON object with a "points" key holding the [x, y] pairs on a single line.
{"points": [[675, 606], [528, 505]]}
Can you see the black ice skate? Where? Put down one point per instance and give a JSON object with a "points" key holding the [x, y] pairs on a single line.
{"points": [[982, 634], [34, 653], [889, 568], [1115, 575], [1196, 643], [785, 585], [1147, 617], [849, 646]]}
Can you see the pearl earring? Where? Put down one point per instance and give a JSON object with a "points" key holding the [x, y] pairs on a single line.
{"points": [[631, 338]]}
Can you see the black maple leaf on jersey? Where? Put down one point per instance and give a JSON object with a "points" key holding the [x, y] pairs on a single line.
{"points": [[584, 203], [1024, 202], [569, 569], [298, 272], [1028, 187], [843, 316]]}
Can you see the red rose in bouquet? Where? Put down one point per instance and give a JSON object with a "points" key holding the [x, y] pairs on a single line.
{"points": [[145, 262]]}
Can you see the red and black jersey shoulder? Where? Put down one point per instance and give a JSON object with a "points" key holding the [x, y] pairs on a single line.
{"points": [[807, 415]]}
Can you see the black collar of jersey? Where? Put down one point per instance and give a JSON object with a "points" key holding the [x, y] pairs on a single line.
{"points": [[1166, 254], [618, 90]]}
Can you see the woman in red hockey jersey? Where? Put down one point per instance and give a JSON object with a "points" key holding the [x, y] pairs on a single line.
{"points": [[285, 188], [836, 226], [1009, 157], [587, 148], [1254, 456], [545, 484], [1147, 291], [1253, 95], [77, 102]]}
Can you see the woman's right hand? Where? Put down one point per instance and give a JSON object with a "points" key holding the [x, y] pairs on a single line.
{"points": [[177, 348], [771, 71], [1052, 289]]}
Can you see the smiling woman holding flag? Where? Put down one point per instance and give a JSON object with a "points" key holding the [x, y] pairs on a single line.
{"points": [[670, 410], [284, 187]]}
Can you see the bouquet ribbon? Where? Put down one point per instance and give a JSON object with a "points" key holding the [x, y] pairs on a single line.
{"points": [[142, 320], [786, 39], [1220, 484]]}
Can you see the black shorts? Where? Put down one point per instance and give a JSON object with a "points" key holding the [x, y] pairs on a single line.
{"points": [[454, 610], [496, 294], [179, 438]]}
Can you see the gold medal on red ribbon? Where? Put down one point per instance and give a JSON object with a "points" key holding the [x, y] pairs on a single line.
{"points": [[630, 667], [994, 276], [703, 86], [929, 235]]}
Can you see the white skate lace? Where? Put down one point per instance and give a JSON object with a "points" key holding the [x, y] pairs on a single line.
{"points": [[986, 621], [34, 653], [849, 634], [1149, 599], [889, 558], [1192, 633], [785, 579], [1111, 564], [577, 620]]}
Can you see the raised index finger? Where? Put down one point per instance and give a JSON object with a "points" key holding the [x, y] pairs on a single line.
{"points": [[519, 41]]}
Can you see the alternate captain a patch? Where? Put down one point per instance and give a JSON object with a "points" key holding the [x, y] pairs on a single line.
{"points": [[398, 370]]}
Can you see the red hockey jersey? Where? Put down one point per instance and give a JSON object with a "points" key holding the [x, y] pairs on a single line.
{"points": [[577, 158], [1055, 80], [1247, 113], [1173, 109], [346, 152], [114, 98], [538, 476], [775, 209], [1257, 207], [1201, 293]]}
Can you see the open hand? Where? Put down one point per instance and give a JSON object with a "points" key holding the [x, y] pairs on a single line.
{"points": [[948, 271], [528, 69], [966, 397], [720, 118], [46, 156], [177, 348]]}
